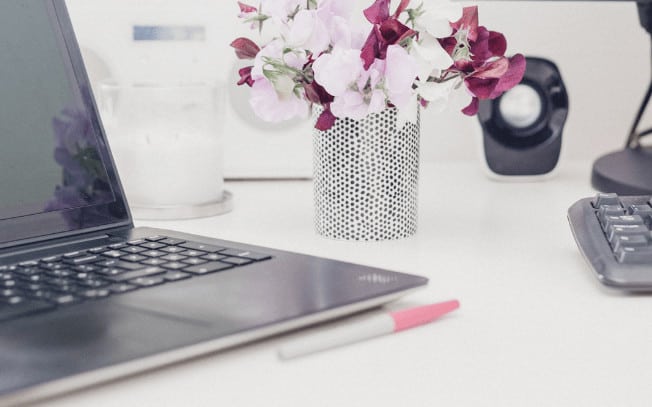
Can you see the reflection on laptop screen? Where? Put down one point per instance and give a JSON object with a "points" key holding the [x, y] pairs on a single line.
{"points": [[49, 158]]}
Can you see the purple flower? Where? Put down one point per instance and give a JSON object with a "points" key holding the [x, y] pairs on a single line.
{"points": [[387, 30]]}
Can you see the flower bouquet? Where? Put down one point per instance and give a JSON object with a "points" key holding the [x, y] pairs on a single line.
{"points": [[354, 64]]}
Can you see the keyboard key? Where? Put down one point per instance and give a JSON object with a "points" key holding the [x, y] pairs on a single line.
{"points": [[152, 245], [82, 259], [122, 288], [117, 246], [626, 230], [176, 275], [153, 262], [213, 256], [153, 253], [155, 238], [194, 261], [65, 299], [136, 242], [72, 255], [171, 241], [94, 283], [25, 307], [147, 281], [246, 254], [206, 268], [113, 254], [146, 272], [202, 247], [192, 253], [623, 220], [173, 249], [133, 249], [602, 199], [129, 266], [610, 211], [636, 255], [238, 261], [174, 265], [91, 294], [133, 258], [173, 257], [630, 241]]}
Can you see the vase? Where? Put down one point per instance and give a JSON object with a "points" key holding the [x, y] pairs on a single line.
{"points": [[366, 176]]}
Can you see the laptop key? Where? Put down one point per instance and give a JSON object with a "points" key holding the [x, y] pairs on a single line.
{"points": [[146, 272], [246, 254], [202, 247], [147, 281], [95, 293], [206, 268], [176, 275], [171, 241], [82, 260], [122, 288], [133, 258], [238, 261], [26, 307]]}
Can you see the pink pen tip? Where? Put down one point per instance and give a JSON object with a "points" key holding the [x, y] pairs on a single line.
{"points": [[410, 318]]}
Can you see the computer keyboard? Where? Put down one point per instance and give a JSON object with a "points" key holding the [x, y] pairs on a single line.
{"points": [[614, 233], [47, 283]]}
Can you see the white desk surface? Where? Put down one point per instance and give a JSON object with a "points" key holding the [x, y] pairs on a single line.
{"points": [[535, 328]]}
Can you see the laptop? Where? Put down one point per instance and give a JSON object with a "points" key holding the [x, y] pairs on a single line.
{"points": [[86, 297]]}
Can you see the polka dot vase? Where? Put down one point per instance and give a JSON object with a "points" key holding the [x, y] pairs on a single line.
{"points": [[366, 176]]}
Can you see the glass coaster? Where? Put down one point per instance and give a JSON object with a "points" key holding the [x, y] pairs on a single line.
{"points": [[185, 212]]}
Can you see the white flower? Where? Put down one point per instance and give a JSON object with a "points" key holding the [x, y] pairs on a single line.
{"points": [[338, 70], [307, 31], [357, 106], [437, 94], [400, 71], [430, 56], [280, 10], [273, 106], [436, 20]]}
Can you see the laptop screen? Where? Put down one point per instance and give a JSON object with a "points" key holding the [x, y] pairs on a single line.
{"points": [[55, 170]]}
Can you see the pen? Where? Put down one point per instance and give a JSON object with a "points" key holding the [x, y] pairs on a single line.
{"points": [[370, 327]]}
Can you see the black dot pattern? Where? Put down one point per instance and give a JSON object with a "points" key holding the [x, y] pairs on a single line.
{"points": [[366, 178]]}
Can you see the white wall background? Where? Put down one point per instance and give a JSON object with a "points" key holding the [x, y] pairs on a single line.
{"points": [[602, 52]]}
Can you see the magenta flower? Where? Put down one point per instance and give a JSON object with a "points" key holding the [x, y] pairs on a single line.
{"points": [[479, 56], [245, 48], [321, 56], [387, 30]]}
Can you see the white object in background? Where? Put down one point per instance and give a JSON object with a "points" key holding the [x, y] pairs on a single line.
{"points": [[167, 144], [167, 41]]}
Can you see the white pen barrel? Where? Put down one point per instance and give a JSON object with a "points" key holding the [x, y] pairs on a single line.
{"points": [[351, 332]]}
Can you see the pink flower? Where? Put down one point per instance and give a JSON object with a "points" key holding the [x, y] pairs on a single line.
{"points": [[271, 106], [400, 71], [338, 70], [309, 32]]}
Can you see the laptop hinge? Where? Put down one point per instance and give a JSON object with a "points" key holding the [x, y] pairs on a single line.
{"points": [[70, 243]]}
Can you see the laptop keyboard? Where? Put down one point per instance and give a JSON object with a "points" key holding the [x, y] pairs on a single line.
{"points": [[51, 282]]}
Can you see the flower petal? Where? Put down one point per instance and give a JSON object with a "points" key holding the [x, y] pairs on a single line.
{"points": [[472, 108], [377, 12], [245, 48], [326, 120]]}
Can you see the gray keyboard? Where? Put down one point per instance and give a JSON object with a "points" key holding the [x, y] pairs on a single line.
{"points": [[47, 283], [614, 234]]}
